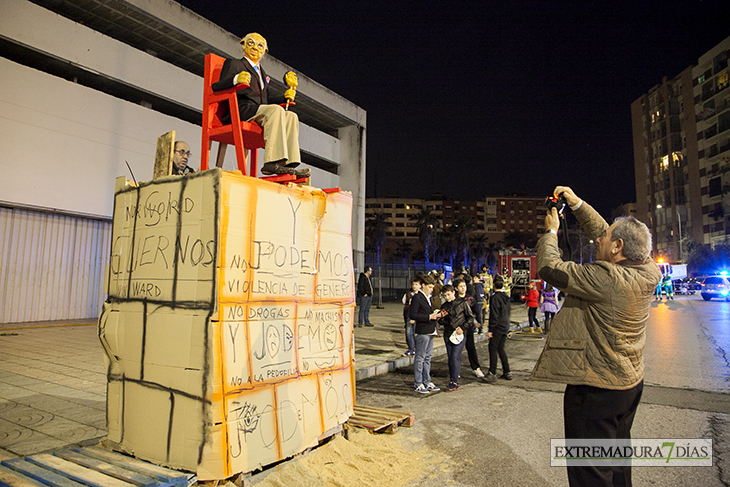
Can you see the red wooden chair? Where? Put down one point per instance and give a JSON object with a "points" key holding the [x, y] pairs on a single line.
{"points": [[243, 135]]}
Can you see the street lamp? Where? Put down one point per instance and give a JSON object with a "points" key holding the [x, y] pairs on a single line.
{"points": [[679, 227]]}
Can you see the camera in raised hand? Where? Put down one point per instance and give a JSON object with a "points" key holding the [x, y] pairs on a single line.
{"points": [[557, 202]]}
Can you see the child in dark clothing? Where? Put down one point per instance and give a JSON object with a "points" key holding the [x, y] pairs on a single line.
{"points": [[499, 314], [462, 291], [457, 314]]}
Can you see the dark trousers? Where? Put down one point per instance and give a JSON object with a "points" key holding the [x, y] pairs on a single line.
{"points": [[471, 349], [496, 347], [549, 315], [363, 317], [532, 318], [592, 412], [454, 354], [479, 316]]}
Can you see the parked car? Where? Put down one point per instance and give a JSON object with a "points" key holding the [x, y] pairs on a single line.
{"points": [[696, 283], [683, 286], [716, 287]]}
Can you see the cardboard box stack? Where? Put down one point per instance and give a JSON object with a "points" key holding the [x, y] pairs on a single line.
{"points": [[228, 328]]}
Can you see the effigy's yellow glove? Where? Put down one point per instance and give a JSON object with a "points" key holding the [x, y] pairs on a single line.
{"points": [[244, 77], [290, 79]]}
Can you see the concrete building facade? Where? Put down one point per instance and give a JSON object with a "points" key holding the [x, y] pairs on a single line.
{"points": [[680, 139], [712, 109], [88, 86], [492, 217], [515, 213]]}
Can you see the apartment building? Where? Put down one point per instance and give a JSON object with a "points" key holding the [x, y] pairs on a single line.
{"points": [[492, 217], [712, 110], [680, 140], [516, 213]]}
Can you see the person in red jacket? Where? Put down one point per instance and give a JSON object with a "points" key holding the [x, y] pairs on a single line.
{"points": [[533, 301]]}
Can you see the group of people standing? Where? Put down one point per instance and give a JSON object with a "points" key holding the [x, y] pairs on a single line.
{"points": [[459, 308], [595, 345], [546, 300], [665, 286]]}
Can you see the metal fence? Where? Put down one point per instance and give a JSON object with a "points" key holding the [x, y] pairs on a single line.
{"points": [[392, 279]]}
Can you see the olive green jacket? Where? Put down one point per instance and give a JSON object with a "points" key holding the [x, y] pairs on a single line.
{"points": [[597, 338]]}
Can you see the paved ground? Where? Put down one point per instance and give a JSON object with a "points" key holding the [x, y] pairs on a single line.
{"points": [[53, 383]]}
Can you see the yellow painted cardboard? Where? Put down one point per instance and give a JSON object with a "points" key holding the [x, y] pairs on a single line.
{"points": [[228, 329]]}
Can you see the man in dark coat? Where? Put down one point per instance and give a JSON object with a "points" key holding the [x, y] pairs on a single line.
{"points": [[281, 127], [365, 291]]}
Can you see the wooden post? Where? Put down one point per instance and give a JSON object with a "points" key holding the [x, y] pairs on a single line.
{"points": [[163, 155]]}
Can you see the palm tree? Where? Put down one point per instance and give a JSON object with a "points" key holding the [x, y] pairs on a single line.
{"points": [[493, 247], [514, 239], [426, 224], [478, 248], [377, 230], [404, 249], [419, 255], [447, 244], [463, 228]]}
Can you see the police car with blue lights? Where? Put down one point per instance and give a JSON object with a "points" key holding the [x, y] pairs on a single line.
{"points": [[716, 287]]}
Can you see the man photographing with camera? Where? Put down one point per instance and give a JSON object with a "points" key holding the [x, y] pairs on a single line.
{"points": [[596, 342]]}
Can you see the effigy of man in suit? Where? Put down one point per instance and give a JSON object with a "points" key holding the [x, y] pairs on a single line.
{"points": [[281, 127]]}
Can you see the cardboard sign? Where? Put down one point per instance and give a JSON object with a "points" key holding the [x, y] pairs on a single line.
{"points": [[228, 328]]}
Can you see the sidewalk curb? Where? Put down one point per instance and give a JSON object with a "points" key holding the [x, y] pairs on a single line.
{"points": [[391, 365]]}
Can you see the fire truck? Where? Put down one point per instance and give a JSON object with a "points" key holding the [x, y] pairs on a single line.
{"points": [[521, 267]]}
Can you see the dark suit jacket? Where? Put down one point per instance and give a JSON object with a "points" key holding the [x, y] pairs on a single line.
{"points": [[249, 98], [499, 312], [364, 285], [419, 311]]}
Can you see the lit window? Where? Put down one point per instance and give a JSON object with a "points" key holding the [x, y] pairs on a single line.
{"points": [[722, 79]]}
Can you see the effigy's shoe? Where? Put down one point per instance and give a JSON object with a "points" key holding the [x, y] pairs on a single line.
{"points": [[301, 173], [271, 168]]}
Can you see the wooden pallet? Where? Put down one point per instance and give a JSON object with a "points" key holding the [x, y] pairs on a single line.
{"points": [[379, 420], [83, 467]]}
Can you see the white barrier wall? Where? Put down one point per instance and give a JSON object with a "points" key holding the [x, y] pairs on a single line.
{"points": [[64, 143]]}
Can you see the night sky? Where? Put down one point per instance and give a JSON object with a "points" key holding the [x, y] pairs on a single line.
{"points": [[471, 99]]}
